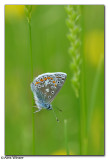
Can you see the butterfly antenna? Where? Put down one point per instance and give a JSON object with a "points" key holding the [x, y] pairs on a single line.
{"points": [[55, 115], [59, 109]]}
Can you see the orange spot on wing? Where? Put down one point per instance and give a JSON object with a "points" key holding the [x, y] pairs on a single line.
{"points": [[52, 78], [48, 77], [53, 81], [37, 83], [55, 84], [45, 79], [41, 80]]}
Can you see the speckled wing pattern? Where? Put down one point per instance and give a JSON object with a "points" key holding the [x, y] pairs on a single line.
{"points": [[48, 85]]}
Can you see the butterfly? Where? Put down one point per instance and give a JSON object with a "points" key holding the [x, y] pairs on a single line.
{"points": [[45, 87]]}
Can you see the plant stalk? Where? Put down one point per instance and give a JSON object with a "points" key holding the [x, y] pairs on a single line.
{"points": [[33, 116], [83, 107], [94, 90], [66, 136]]}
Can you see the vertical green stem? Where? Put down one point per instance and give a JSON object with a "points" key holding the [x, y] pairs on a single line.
{"points": [[94, 90], [66, 137], [33, 116], [83, 107], [79, 126], [74, 36], [31, 51]]}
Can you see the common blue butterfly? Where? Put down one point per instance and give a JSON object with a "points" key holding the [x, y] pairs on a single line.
{"points": [[45, 88]]}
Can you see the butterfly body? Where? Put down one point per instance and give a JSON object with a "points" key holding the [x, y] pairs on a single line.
{"points": [[45, 87]]}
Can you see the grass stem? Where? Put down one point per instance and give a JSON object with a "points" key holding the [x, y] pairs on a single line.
{"points": [[94, 91], [83, 107], [79, 127], [33, 116], [66, 136]]}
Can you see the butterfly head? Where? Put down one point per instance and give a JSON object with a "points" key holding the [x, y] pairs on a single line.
{"points": [[48, 106]]}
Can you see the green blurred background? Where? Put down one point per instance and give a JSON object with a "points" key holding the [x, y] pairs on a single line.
{"points": [[50, 54]]}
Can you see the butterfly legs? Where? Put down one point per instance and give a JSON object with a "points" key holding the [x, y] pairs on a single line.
{"points": [[58, 109], [37, 110]]}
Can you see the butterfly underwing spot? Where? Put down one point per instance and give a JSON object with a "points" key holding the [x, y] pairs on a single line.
{"points": [[55, 84], [58, 82], [48, 77], [37, 83], [45, 78], [46, 82], [63, 76], [52, 92], [60, 75], [49, 97], [41, 80], [39, 86], [52, 87], [51, 77], [47, 90]]}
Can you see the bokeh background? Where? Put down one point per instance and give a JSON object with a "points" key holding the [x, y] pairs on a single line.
{"points": [[50, 54]]}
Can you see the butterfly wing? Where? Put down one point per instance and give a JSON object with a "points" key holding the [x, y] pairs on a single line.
{"points": [[59, 79], [48, 85], [38, 96]]}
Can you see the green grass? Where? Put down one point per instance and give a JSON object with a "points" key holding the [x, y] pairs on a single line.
{"points": [[76, 36], [75, 23], [33, 116], [83, 94], [66, 136], [28, 9]]}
